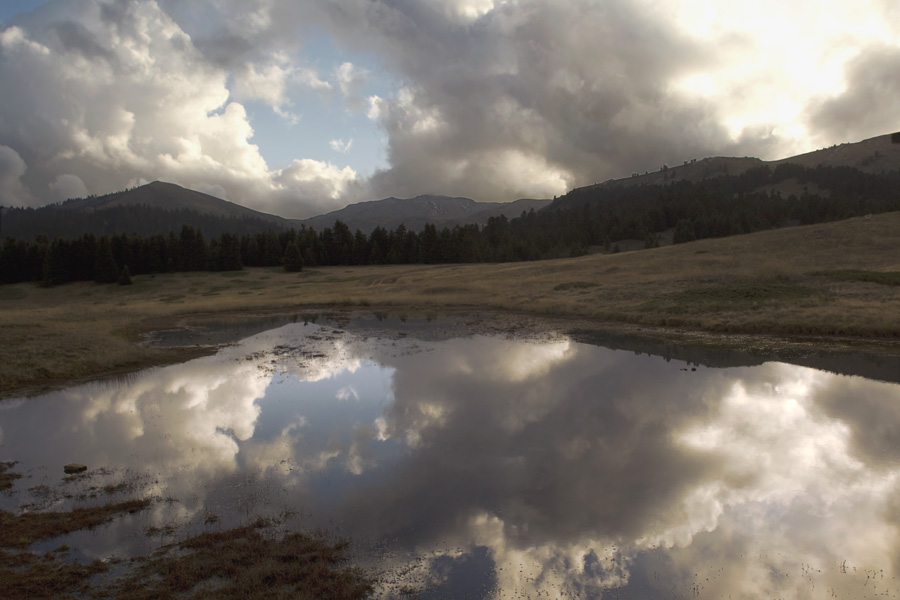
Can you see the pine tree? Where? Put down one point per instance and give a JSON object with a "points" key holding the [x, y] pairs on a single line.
{"points": [[293, 262], [105, 268], [125, 276]]}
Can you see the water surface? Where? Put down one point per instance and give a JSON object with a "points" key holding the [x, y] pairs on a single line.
{"points": [[490, 466]]}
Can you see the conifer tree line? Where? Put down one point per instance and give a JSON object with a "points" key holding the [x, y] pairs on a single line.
{"points": [[587, 218]]}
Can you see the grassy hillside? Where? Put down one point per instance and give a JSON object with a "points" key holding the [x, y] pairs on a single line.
{"points": [[834, 280]]}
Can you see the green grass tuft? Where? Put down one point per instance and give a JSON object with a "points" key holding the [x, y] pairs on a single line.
{"points": [[574, 285], [882, 277]]}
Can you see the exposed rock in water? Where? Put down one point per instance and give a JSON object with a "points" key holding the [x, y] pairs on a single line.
{"points": [[74, 468]]}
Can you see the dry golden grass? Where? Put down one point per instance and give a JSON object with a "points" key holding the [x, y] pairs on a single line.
{"points": [[779, 282]]}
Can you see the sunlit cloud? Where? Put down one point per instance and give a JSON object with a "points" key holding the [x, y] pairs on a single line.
{"points": [[565, 468], [489, 99]]}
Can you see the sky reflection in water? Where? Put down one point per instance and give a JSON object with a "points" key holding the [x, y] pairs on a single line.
{"points": [[492, 466]]}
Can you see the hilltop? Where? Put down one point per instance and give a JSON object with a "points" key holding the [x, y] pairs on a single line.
{"points": [[169, 197], [414, 213], [160, 208], [874, 155]]}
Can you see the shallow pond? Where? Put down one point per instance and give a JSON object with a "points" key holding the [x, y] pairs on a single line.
{"points": [[489, 465]]}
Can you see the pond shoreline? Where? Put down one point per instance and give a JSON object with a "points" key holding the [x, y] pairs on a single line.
{"points": [[694, 346], [789, 292], [436, 441]]}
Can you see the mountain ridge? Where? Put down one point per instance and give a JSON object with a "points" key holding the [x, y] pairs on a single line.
{"points": [[413, 213], [160, 207], [870, 155], [169, 196]]}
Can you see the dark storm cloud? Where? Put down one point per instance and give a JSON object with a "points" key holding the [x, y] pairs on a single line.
{"points": [[492, 100], [575, 92], [870, 104]]}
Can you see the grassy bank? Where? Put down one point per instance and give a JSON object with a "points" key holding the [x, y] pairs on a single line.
{"points": [[246, 562], [833, 280]]}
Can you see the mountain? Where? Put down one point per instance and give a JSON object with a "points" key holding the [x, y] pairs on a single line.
{"points": [[873, 155], [718, 197], [414, 213], [170, 197], [160, 207], [155, 208]]}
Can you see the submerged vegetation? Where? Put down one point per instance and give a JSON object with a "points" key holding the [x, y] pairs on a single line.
{"points": [[6, 476], [238, 563], [245, 563], [26, 574], [23, 530], [37, 576]]}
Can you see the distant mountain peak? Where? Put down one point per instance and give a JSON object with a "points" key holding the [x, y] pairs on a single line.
{"points": [[414, 213]]}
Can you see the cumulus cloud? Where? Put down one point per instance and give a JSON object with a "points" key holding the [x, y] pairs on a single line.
{"points": [[503, 99], [115, 93], [492, 99], [12, 168], [544, 467], [68, 186], [351, 80], [870, 103]]}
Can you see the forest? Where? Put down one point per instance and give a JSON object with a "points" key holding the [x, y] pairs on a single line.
{"points": [[584, 220]]}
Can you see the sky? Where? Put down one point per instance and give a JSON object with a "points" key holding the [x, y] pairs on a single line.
{"points": [[299, 108]]}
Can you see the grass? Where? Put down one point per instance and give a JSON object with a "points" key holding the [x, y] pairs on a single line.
{"points": [[244, 563], [881, 277], [23, 530], [6, 476], [238, 563], [574, 285], [28, 575], [736, 296], [769, 283]]}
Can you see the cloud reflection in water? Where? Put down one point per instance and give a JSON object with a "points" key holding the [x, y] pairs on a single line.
{"points": [[536, 466]]}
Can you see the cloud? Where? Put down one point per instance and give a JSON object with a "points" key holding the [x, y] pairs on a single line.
{"points": [[556, 468], [870, 104], [501, 99], [341, 146], [68, 186], [490, 99], [115, 93], [530, 97], [351, 79], [12, 169]]}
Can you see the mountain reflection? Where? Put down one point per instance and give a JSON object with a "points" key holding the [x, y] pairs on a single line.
{"points": [[496, 466]]}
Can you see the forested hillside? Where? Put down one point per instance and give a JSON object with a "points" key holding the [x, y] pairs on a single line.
{"points": [[56, 221], [594, 217]]}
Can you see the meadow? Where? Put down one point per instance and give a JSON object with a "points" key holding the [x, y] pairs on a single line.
{"points": [[826, 284]]}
